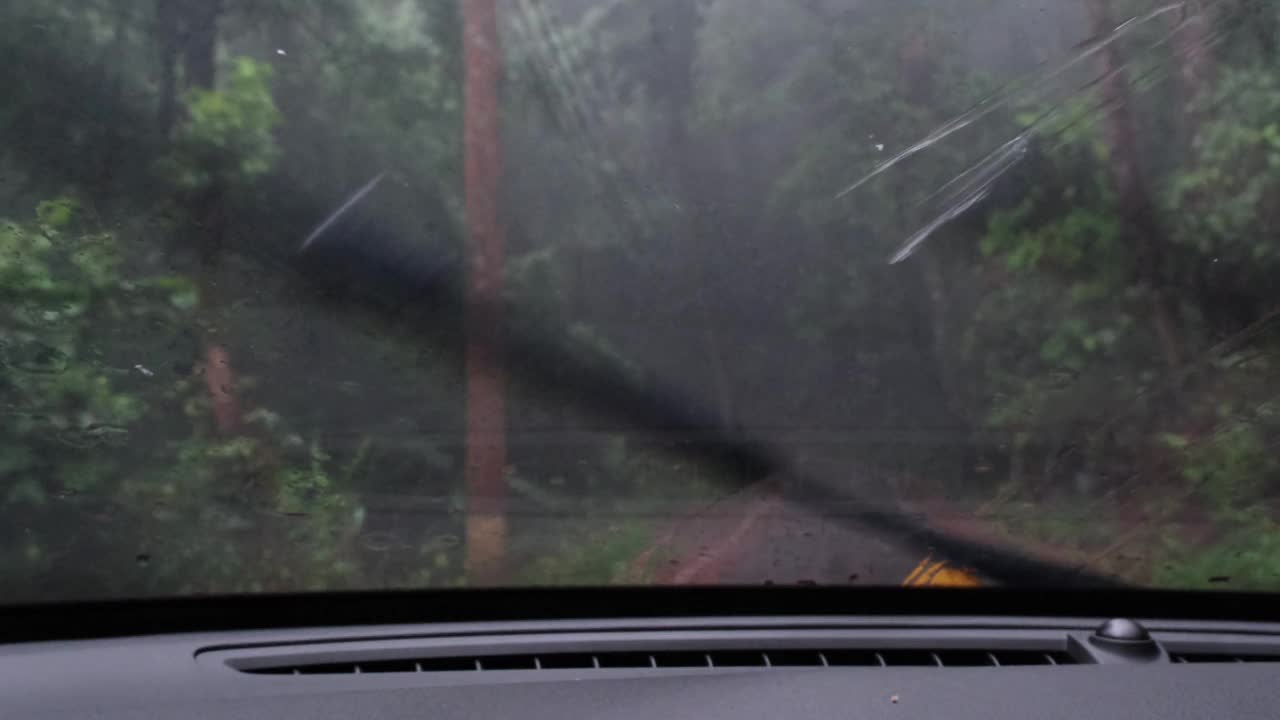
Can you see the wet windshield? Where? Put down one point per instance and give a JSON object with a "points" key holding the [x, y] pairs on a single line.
{"points": [[458, 293]]}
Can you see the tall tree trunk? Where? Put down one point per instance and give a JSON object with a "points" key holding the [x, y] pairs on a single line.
{"points": [[486, 532], [917, 72], [187, 36], [202, 42], [1191, 43], [169, 42], [1192, 33], [1137, 211], [942, 313], [674, 26], [200, 61]]}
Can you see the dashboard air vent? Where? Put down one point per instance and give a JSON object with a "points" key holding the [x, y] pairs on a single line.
{"points": [[1221, 658], [682, 659]]}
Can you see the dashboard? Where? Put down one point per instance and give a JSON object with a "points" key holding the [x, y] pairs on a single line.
{"points": [[749, 666]]}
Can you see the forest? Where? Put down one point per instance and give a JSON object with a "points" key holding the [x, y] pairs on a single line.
{"points": [[999, 261]]}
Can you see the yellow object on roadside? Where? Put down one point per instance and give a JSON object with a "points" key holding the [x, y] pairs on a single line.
{"points": [[931, 573]]}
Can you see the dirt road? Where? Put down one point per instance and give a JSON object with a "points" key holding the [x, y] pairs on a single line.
{"points": [[755, 537]]}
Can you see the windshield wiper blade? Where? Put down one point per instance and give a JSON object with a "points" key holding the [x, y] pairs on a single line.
{"points": [[352, 249]]}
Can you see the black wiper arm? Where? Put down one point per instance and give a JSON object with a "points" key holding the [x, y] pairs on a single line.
{"points": [[352, 250]]}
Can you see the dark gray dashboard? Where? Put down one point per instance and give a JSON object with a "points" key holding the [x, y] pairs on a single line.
{"points": [[755, 667]]}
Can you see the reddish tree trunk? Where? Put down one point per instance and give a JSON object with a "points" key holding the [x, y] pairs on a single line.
{"points": [[220, 382], [200, 55], [187, 35], [485, 376]]}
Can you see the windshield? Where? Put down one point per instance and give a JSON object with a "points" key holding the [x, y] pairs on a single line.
{"points": [[460, 293]]}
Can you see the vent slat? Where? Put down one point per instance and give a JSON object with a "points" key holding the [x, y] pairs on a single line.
{"points": [[1224, 657], [768, 659]]}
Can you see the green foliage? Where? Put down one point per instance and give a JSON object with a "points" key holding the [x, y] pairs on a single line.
{"points": [[1247, 558], [1225, 200], [93, 429], [227, 134], [71, 414], [1071, 321], [61, 285], [609, 556], [1235, 467], [1065, 322]]}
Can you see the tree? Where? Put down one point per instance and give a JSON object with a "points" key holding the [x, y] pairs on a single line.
{"points": [[486, 394], [1141, 223], [188, 49]]}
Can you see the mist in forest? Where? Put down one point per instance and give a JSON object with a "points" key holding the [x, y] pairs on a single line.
{"points": [[1000, 260]]}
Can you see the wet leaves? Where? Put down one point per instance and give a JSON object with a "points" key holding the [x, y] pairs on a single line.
{"points": [[34, 356], [94, 435]]}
